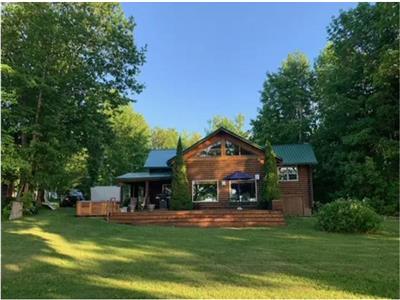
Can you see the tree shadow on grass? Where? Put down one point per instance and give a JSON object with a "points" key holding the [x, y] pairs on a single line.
{"points": [[122, 261]]}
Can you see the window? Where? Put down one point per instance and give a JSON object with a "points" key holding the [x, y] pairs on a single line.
{"points": [[243, 191], [234, 149], [213, 150], [231, 148], [205, 191], [288, 174]]}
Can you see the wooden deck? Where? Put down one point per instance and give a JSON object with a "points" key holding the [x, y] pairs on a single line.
{"points": [[202, 218]]}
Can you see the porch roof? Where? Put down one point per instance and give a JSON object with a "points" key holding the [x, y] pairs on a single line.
{"points": [[159, 158], [144, 176]]}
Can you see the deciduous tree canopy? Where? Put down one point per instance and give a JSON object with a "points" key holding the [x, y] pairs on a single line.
{"points": [[235, 125], [348, 107], [64, 65], [286, 114]]}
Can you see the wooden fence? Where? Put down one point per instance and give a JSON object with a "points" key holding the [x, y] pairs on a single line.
{"points": [[96, 208]]}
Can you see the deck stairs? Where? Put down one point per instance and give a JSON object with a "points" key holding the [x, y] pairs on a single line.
{"points": [[202, 218]]}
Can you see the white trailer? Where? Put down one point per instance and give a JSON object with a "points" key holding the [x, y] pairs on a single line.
{"points": [[105, 193]]}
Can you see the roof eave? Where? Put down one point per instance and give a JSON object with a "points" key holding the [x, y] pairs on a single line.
{"points": [[215, 132]]}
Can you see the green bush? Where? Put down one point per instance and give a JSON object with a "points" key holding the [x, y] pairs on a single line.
{"points": [[6, 211], [348, 215], [29, 205]]}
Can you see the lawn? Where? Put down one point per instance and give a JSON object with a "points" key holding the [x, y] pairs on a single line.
{"points": [[57, 255]]}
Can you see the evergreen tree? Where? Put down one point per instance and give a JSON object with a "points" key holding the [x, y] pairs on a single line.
{"points": [[270, 183], [180, 197], [287, 112]]}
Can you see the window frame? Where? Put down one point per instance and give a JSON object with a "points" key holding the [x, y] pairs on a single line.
{"points": [[244, 181], [194, 182], [208, 147], [240, 149], [287, 179]]}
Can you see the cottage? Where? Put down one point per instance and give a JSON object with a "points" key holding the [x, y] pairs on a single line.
{"points": [[225, 170]]}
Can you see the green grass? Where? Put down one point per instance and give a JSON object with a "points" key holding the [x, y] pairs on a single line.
{"points": [[56, 255]]}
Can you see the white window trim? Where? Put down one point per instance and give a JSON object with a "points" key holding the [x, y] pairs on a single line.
{"points": [[249, 180], [205, 181], [289, 180]]}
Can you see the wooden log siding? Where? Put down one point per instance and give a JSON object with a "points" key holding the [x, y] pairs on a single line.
{"points": [[296, 195], [218, 167]]}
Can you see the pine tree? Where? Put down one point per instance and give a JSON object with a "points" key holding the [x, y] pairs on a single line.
{"points": [[180, 197], [270, 185]]}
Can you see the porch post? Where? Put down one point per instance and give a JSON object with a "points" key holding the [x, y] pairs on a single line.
{"points": [[146, 192]]}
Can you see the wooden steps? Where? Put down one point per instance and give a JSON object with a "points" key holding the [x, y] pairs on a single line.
{"points": [[202, 218]]}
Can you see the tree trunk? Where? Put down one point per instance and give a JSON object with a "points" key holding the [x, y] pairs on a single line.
{"points": [[40, 198], [38, 108]]}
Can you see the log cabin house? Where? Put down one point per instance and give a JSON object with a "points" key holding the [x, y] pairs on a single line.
{"points": [[225, 171]]}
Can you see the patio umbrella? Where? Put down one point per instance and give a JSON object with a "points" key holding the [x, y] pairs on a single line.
{"points": [[238, 175]]}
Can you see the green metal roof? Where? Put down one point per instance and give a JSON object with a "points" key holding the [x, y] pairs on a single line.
{"points": [[140, 176], [291, 154], [159, 158], [295, 154]]}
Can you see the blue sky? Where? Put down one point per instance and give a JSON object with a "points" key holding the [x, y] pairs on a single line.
{"points": [[208, 59]]}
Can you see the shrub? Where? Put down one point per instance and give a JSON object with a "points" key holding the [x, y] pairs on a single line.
{"points": [[6, 202], [6, 211], [348, 215], [29, 204]]}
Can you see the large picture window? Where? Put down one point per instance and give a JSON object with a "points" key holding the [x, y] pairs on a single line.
{"points": [[205, 191], [243, 191], [288, 173], [213, 150]]}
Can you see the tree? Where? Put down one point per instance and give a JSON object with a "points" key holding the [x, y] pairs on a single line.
{"points": [[358, 100], [189, 139], [167, 138], [270, 183], [180, 196], [287, 113], [129, 147], [63, 64], [164, 138], [235, 125]]}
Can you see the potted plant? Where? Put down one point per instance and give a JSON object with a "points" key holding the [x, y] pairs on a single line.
{"points": [[133, 204], [151, 206]]}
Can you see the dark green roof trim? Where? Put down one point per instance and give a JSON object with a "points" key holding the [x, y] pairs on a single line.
{"points": [[143, 176]]}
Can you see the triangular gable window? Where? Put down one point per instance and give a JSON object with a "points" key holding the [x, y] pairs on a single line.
{"points": [[213, 150], [232, 149]]}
